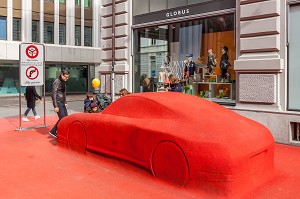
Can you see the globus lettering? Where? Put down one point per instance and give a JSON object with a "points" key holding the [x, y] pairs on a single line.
{"points": [[177, 13]]}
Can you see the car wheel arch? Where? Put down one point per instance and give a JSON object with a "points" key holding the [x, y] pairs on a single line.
{"points": [[77, 137], [160, 163]]}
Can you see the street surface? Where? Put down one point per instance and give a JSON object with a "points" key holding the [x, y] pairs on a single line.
{"points": [[10, 105], [34, 166]]}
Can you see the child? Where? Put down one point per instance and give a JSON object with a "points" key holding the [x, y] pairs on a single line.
{"points": [[124, 92], [88, 101], [94, 108], [175, 85]]}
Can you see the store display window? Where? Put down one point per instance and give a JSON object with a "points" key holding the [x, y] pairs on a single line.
{"points": [[9, 79], [78, 79], [200, 53]]}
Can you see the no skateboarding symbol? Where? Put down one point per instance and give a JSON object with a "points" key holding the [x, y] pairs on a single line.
{"points": [[32, 72], [32, 64], [32, 52]]}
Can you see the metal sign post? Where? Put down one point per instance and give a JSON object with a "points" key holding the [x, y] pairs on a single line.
{"points": [[112, 76], [32, 73]]}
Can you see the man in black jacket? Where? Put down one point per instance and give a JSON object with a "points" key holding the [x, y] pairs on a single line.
{"points": [[59, 98]]}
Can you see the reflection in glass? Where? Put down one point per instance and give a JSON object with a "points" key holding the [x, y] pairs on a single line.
{"points": [[35, 31], [77, 82], [9, 79]]}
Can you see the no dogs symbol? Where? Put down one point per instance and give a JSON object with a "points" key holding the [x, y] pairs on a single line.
{"points": [[32, 72], [32, 52]]}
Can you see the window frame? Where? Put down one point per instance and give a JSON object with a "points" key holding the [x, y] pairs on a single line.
{"points": [[288, 31], [19, 29], [5, 31], [47, 42], [84, 42], [37, 31], [64, 36], [79, 43]]}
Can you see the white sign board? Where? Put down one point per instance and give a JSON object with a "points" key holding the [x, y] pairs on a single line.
{"points": [[32, 64]]}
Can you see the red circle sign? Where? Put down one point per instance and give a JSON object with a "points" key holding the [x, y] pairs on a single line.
{"points": [[32, 52], [32, 72]]}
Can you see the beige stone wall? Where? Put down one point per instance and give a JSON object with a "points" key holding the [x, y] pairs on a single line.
{"points": [[260, 53]]}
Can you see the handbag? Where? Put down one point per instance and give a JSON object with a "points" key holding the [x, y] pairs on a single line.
{"points": [[225, 64]]}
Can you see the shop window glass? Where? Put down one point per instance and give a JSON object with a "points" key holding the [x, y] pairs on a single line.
{"points": [[294, 54], [164, 50], [48, 32], [9, 79], [2, 28], [77, 35], [62, 1], [62, 34], [87, 36], [16, 29], [77, 82], [87, 3], [35, 31]]}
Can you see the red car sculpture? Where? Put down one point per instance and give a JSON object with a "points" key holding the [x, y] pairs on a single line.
{"points": [[178, 137]]}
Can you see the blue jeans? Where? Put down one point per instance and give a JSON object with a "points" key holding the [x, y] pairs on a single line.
{"points": [[27, 111], [61, 114]]}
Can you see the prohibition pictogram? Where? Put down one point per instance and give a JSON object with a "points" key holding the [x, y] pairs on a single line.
{"points": [[32, 72], [32, 52]]}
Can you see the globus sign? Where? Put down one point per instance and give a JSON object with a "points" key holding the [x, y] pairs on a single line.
{"points": [[32, 64]]}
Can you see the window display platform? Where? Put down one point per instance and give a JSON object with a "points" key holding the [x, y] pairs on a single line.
{"points": [[218, 90]]}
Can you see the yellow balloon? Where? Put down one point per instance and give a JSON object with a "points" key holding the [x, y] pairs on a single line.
{"points": [[96, 83]]}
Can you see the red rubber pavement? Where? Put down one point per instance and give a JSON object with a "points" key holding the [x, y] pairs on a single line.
{"points": [[34, 166]]}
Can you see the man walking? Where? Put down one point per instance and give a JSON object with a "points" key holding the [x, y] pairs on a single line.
{"points": [[59, 98]]}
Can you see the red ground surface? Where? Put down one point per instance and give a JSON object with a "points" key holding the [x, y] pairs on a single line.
{"points": [[33, 166]]}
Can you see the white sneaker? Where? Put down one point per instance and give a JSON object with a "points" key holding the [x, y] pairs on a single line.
{"points": [[37, 117], [24, 119]]}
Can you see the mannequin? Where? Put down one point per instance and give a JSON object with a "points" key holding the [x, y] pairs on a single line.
{"points": [[211, 61], [189, 68], [224, 64], [162, 76]]}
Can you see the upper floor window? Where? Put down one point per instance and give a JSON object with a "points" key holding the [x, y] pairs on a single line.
{"points": [[35, 31], [2, 28], [77, 35], [87, 3], [77, 2], [87, 36], [62, 34], [16, 29], [48, 32]]}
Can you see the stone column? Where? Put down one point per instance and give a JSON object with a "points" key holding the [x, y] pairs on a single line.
{"points": [[9, 20], [56, 22], [122, 44], [41, 21], [26, 22], [70, 22], [260, 55]]}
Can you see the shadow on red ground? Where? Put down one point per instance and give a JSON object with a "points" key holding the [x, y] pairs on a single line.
{"points": [[34, 166]]}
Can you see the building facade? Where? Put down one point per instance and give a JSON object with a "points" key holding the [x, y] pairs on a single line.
{"points": [[70, 31], [155, 37]]}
